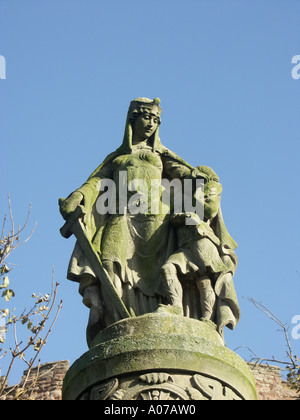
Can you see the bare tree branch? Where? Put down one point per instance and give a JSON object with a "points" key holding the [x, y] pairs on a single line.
{"points": [[35, 320], [292, 364], [284, 329]]}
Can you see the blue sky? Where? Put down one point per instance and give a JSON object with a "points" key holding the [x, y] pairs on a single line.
{"points": [[223, 72]]}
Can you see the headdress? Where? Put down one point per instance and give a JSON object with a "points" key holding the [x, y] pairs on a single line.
{"points": [[137, 107], [144, 105]]}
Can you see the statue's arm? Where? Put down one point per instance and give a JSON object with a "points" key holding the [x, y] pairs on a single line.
{"points": [[174, 166]]}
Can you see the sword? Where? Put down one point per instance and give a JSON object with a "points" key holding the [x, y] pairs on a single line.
{"points": [[74, 226]]}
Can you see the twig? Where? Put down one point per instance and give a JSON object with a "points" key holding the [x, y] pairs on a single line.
{"points": [[293, 362], [11, 216], [8, 243], [3, 227]]}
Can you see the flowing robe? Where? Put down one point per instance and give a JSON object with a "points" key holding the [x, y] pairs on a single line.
{"points": [[137, 244]]}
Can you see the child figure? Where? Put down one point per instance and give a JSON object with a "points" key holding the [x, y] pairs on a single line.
{"points": [[205, 253]]}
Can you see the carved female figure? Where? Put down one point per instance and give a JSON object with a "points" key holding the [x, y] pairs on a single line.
{"points": [[132, 246]]}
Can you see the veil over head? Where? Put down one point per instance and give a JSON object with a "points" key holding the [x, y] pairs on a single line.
{"points": [[138, 107]]}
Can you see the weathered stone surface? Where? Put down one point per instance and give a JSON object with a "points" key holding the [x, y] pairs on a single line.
{"points": [[137, 250], [189, 355], [156, 275]]}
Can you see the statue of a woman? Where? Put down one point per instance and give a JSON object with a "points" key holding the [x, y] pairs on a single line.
{"points": [[133, 245]]}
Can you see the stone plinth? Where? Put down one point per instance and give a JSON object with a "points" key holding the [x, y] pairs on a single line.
{"points": [[159, 356]]}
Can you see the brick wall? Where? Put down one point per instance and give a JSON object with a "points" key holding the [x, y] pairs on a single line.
{"points": [[268, 381], [270, 385], [47, 387]]}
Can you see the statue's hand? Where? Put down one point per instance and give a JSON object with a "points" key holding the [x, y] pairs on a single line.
{"points": [[68, 205], [205, 172]]}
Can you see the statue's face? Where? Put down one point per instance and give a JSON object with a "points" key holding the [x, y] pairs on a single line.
{"points": [[145, 126]]}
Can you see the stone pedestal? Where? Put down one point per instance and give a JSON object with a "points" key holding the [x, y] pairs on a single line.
{"points": [[159, 356]]}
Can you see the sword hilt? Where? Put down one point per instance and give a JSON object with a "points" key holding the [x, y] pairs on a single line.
{"points": [[66, 229]]}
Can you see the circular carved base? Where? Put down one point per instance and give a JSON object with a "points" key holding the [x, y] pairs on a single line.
{"points": [[159, 357], [162, 386]]}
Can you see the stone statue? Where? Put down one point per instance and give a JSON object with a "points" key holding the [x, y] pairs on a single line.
{"points": [[155, 265], [131, 260]]}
